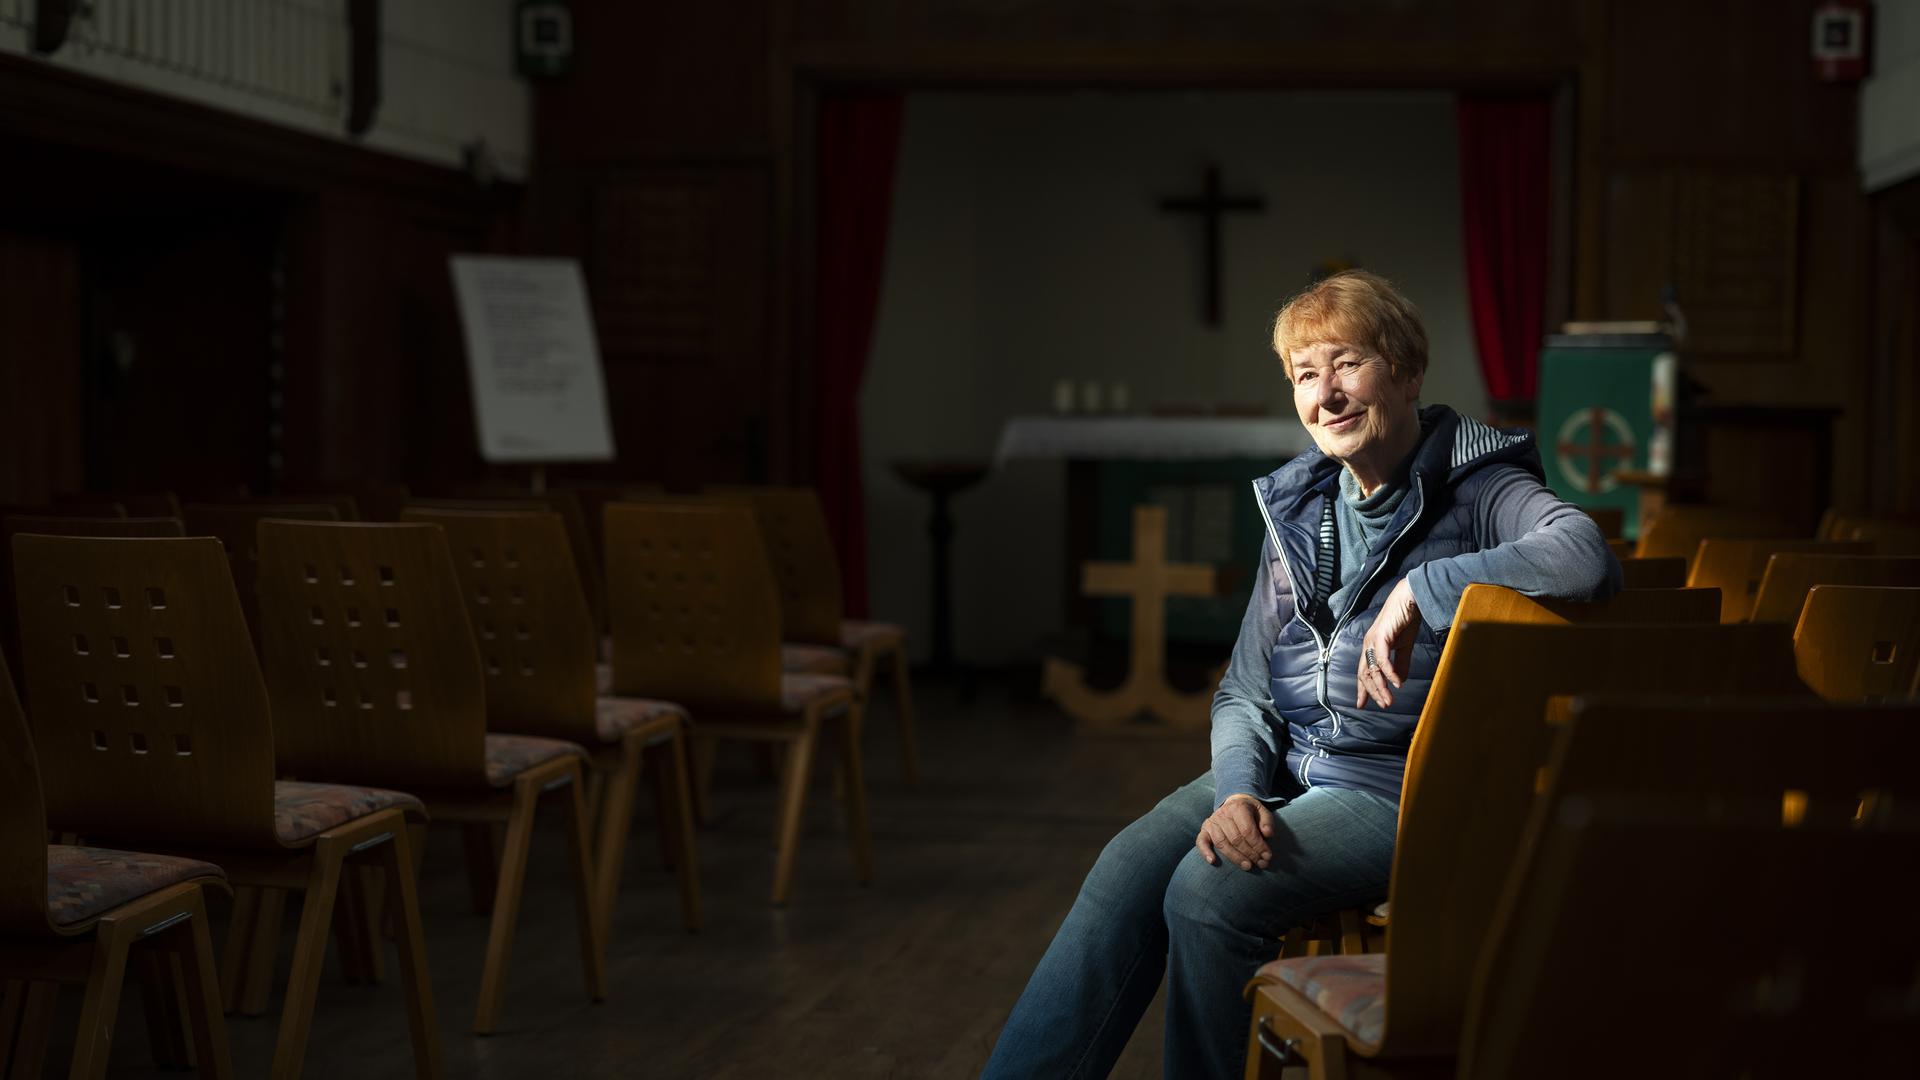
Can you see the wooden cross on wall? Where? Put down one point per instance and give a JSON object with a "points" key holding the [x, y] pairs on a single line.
{"points": [[1212, 205]]}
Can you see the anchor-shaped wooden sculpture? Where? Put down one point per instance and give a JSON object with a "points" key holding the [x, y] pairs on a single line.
{"points": [[1149, 579]]}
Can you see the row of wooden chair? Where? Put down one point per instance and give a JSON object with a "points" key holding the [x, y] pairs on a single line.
{"points": [[356, 686], [1474, 772]]}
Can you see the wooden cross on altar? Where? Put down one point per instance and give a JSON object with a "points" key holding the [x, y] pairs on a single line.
{"points": [[1211, 205], [1149, 579]]}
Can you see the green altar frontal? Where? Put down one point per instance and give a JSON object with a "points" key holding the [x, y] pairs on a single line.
{"points": [[1605, 405]]}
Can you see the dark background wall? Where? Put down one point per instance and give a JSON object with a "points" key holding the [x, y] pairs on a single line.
{"points": [[675, 161]]}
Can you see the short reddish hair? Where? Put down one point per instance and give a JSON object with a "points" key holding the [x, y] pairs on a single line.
{"points": [[1354, 308]]}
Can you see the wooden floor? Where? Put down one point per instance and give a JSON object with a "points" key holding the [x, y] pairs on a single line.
{"points": [[912, 976]]}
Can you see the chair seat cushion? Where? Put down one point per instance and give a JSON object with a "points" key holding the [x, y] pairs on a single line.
{"points": [[799, 690], [510, 755], [1352, 990], [815, 659], [86, 882], [858, 634], [302, 811], [615, 716]]}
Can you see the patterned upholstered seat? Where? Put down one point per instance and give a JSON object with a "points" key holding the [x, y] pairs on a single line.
{"points": [[1352, 990], [302, 811], [85, 882], [797, 691], [510, 755], [815, 659], [857, 634], [615, 716]]}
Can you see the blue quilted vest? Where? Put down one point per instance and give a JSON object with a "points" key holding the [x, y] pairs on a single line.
{"points": [[1313, 671]]}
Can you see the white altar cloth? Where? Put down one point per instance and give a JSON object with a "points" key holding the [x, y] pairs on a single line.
{"points": [[1150, 438]]}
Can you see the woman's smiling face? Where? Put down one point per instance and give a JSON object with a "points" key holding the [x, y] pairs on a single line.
{"points": [[1354, 406]]}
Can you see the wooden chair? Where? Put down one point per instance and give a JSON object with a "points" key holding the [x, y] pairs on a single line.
{"points": [[1783, 588], [1736, 565], [345, 504], [813, 625], [1678, 530], [538, 643], [586, 560], [376, 678], [74, 914], [1482, 603], [1705, 816], [696, 619], [1494, 603], [1663, 573], [1472, 772], [49, 524], [152, 724], [236, 526], [1859, 643]]}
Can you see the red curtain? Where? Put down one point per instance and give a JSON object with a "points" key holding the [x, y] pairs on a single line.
{"points": [[1505, 146], [859, 146]]}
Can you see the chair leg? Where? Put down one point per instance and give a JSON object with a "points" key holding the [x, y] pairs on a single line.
{"points": [[793, 800], [854, 769], [1353, 940], [686, 851], [903, 699], [610, 834], [506, 904], [36, 1023], [93, 1044], [309, 955], [403, 902], [262, 951], [593, 953], [192, 948]]}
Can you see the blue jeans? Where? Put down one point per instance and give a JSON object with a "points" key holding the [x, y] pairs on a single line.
{"points": [[1152, 905]]}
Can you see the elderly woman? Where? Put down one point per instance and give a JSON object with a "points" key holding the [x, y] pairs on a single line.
{"points": [[1371, 538]]}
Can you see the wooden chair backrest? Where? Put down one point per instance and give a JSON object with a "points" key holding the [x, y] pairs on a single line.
{"points": [[573, 518], [23, 822], [1678, 530], [1783, 588], [800, 548], [1611, 519], [1860, 643], [1472, 769], [1494, 603], [1888, 535], [696, 611], [1781, 985], [1663, 573], [1736, 565], [149, 713], [236, 526], [536, 634], [371, 662]]}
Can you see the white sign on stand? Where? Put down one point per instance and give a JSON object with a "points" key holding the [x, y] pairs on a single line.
{"points": [[538, 392]]}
